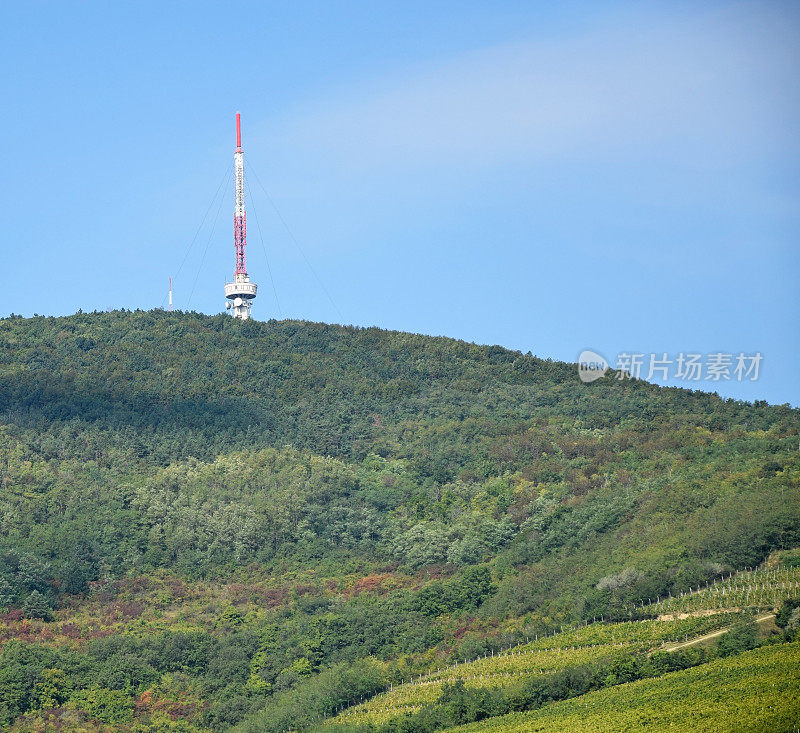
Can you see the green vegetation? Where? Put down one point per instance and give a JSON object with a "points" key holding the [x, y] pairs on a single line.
{"points": [[756, 691], [741, 637], [531, 674], [202, 520], [459, 703]]}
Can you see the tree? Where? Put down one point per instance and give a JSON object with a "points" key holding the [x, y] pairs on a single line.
{"points": [[51, 689], [36, 606], [476, 586], [7, 594], [110, 706], [785, 612], [741, 637]]}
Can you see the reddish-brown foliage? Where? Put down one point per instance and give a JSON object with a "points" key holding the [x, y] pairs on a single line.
{"points": [[374, 583], [129, 609], [273, 597], [71, 631]]}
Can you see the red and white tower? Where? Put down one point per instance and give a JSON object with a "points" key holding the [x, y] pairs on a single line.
{"points": [[241, 291]]}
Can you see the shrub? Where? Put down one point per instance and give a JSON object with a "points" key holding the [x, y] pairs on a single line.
{"points": [[741, 637]]}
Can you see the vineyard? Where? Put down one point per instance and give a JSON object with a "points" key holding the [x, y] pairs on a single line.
{"points": [[681, 618], [752, 589], [540, 656], [501, 670], [754, 691]]}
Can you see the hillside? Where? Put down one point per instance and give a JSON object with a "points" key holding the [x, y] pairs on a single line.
{"points": [[590, 655], [511, 668], [201, 517], [756, 691]]}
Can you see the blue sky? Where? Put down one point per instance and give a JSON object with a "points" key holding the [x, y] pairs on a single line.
{"points": [[547, 176]]}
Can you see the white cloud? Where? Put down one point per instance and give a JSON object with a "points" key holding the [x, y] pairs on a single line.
{"points": [[718, 85]]}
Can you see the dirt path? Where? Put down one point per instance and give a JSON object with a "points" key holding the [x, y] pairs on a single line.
{"points": [[700, 639], [696, 614]]}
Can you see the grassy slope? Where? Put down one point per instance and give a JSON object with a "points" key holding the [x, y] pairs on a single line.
{"points": [[755, 691]]}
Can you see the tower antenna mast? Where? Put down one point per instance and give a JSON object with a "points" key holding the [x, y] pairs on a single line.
{"points": [[241, 291]]}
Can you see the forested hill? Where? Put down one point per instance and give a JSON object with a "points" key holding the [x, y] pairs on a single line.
{"points": [[187, 384], [441, 433], [451, 478]]}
